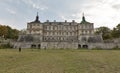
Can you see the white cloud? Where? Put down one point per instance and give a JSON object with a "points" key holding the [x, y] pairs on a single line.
{"points": [[11, 11], [99, 12], [104, 14], [36, 4]]}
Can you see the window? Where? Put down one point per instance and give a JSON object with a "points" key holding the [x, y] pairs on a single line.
{"points": [[47, 27], [51, 27]]}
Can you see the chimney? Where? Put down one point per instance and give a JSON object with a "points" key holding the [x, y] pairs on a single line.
{"points": [[54, 20], [47, 20], [65, 21], [73, 21]]}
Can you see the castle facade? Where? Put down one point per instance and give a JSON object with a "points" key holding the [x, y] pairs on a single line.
{"points": [[56, 35]]}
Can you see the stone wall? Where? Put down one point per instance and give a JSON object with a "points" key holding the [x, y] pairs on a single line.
{"points": [[85, 41], [102, 45], [66, 45], [59, 45]]}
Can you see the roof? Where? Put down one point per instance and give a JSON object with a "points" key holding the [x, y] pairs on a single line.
{"points": [[84, 21], [36, 20]]}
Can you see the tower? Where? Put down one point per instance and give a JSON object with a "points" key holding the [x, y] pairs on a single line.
{"points": [[37, 18], [83, 18]]}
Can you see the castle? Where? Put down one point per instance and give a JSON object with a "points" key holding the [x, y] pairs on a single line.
{"points": [[60, 35]]}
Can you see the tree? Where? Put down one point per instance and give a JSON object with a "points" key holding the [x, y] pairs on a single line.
{"points": [[116, 32], [3, 31], [8, 32], [105, 31]]}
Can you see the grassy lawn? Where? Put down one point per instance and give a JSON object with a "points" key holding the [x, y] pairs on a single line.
{"points": [[59, 61]]}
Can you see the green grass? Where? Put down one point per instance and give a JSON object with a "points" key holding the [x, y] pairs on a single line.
{"points": [[59, 61]]}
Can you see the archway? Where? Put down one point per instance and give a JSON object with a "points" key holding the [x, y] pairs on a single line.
{"points": [[85, 46], [33, 46], [79, 46], [39, 46]]}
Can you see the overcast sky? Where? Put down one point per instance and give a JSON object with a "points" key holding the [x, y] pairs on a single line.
{"points": [[16, 13]]}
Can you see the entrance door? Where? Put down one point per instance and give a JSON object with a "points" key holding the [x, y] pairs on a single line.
{"points": [[39, 46], [33, 46], [79, 46], [85, 46]]}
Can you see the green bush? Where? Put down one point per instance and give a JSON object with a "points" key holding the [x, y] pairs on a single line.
{"points": [[116, 48], [5, 46]]}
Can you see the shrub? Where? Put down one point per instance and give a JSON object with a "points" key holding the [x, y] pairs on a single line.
{"points": [[5, 46], [116, 48]]}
